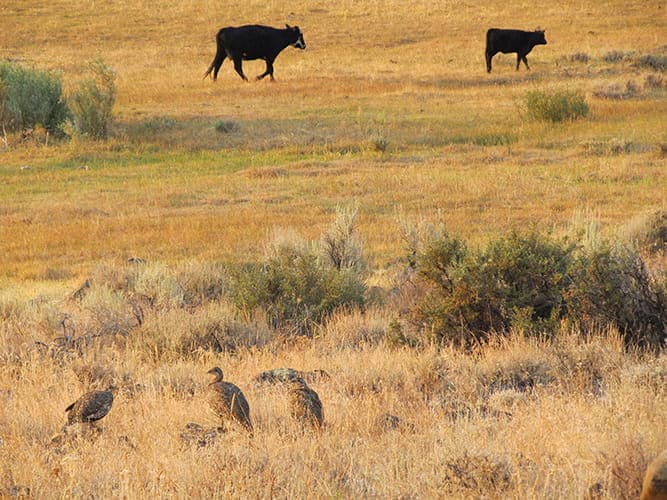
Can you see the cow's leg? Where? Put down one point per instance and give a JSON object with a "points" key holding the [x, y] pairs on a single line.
{"points": [[489, 56], [269, 70], [215, 65], [238, 66], [525, 61], [218, 64], [521, 57]]}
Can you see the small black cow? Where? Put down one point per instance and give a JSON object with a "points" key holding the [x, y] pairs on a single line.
{"points": [[253, 42], [508, 41]]}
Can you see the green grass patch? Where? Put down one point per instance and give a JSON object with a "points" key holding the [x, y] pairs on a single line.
{"points": [[556, 106]]}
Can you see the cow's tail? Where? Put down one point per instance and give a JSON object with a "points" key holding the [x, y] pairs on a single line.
{"points": [[217, 60]]}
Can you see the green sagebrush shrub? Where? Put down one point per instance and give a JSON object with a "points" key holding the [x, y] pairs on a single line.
{"points": [[611, 286], [532, 282], [517, 281], [93, 101], [295, 287], [557, 106], [30, 97]]}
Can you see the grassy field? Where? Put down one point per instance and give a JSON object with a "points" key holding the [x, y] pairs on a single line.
{"points": [[389, 109]]}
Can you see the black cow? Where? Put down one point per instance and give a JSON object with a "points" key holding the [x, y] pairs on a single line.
{"points": [[508, 41], [253, 42]]}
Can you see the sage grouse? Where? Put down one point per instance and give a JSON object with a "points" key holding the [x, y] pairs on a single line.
{"points": [[305, 404], [90, 407], [228, 401]]}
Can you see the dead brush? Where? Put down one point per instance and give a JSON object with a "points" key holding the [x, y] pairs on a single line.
{"points": [[521, 364], [477, 474], [432, 380], [588, 365], [618, 91], [625, 467], [352, 329]]}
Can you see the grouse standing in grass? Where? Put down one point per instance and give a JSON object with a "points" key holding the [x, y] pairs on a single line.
{"points": [[228, 401], [90, 407], [305, 404]]}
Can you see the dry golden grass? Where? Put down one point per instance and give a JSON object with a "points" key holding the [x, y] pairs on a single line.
{"points": [[406, 78], [520, 418], [389, 107]]}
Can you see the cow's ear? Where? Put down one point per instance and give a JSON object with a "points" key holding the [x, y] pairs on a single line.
{"points": [[288, 26]]}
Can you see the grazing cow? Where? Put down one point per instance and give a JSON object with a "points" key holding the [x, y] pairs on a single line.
{"points": [[508, 41], [253, 42]]}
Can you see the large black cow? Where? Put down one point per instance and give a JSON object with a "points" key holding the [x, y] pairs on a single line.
{"points": [[508, 41], [253, 42]]}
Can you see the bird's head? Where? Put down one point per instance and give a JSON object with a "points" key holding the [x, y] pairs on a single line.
{"points": [[217, 373]]}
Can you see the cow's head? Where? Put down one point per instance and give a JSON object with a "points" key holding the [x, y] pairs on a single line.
{"points": [[298, 42], [538, 37]]}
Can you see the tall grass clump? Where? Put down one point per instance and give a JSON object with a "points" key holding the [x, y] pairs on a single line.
{"points": [[93, 101], [557, 106], [29, 98]]}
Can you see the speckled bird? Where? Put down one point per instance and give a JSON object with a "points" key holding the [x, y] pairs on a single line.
{"points": [[228, 401], [305, 404], [90, 407]]}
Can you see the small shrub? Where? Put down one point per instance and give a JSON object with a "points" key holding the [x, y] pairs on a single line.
{"points": [[531, 283], [615, 56], [29, 98], [654, 81], [581, 57], [227, 126], [295, 288], [556, 106], [500, 139], [340, 244], [618, 91], [651, 61], [92, 103]]}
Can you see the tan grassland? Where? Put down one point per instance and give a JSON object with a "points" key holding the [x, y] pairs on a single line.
{"points": [[389, 108]]}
